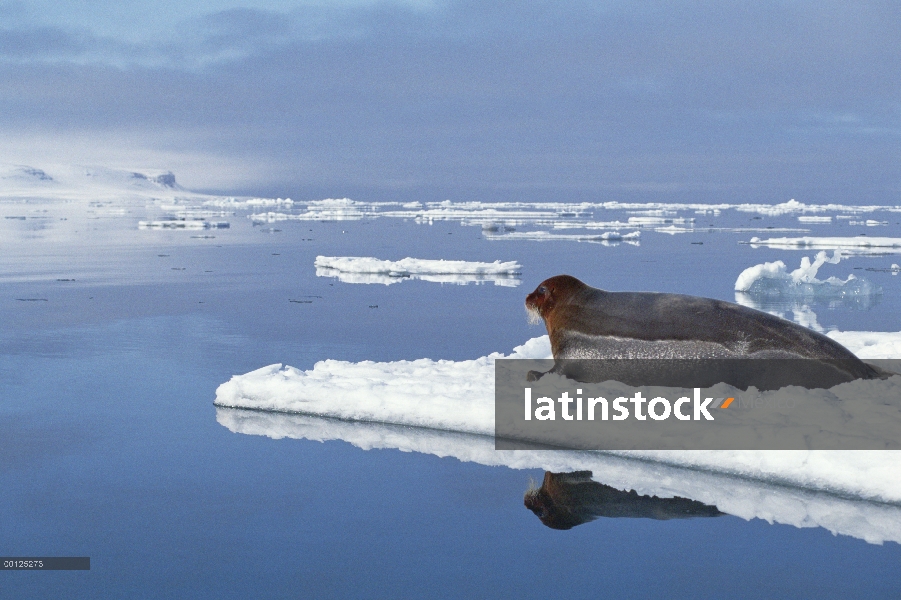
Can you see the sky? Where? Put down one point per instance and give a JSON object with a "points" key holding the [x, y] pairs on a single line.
{"points": [[465, 100]]}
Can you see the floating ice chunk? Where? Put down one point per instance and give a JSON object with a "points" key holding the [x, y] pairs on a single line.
{"points": [[654, 212], [546, 236], [502, 280], [644, 221], [591, 225], [492, 227], [457, 396], [773, 279], [674, 229], [358, 269], [860, 243], [183, 225], [238, 203], [410, 266], [868, 223], [811, 219]]}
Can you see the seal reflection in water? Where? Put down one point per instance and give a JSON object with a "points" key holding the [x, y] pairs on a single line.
{"points": [[588, 323], [565, 500]]}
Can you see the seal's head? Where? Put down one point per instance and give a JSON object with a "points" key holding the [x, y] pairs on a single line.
{"points": [[551, 293]]}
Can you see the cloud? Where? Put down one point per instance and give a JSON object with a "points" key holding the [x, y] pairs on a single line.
{"points": [[683, 97], [42, 42]]}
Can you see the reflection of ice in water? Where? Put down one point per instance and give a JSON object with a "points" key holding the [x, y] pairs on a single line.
{"points": [[804, 315], [747, 498], [771, 287], [361, 269]]}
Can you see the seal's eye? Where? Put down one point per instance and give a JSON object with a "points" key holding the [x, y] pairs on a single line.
{"points": [[542, 289]]}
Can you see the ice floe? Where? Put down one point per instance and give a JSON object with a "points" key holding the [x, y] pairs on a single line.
{"points": [[555, 214], [772, 279], [654, 221], [450, 395], [183, 224], [450, 405], [244, 203], [609, 237], [591, 225], [868, 223], [359, 269], [865, 244]]}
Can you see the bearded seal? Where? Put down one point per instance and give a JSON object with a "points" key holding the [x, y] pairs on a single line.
{"points": [[588, 323]]}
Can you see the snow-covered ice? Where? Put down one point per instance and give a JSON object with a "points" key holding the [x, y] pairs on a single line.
{"points": [[457, 396]]}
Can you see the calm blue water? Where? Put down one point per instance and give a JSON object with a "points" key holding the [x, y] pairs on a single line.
{"points": [[109, 445]]}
